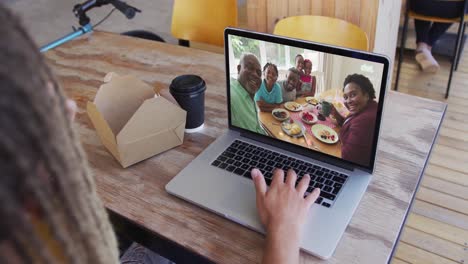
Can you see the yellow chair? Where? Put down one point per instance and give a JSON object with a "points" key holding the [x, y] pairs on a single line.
{"points": [[202, 20], [456, 51], [323, 29]]}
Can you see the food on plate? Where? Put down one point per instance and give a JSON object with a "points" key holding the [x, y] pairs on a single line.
{"points": [[280, 114], [292, 128], [338, 105], [312, 100], [293, 106], [325, 134], [295, 129], [309, 117]]}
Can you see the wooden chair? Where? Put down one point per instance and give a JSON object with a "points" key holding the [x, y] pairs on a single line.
{"points": [[456, 51], [323, 29], [202, 20]]}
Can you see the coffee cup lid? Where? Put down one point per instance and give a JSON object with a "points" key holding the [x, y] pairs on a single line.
{"points": [[187, 84]]}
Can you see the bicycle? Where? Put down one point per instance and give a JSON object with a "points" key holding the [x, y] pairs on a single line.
{"points": [[85, 22]]}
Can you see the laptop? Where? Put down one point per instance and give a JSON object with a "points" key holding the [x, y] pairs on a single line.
{"points": [[219, 178]]}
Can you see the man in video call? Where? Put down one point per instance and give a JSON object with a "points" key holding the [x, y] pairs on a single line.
{"points": [[243, 108], [288, 86]]}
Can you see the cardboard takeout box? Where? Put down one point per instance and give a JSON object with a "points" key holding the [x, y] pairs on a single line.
{"points": [[133, 123]]}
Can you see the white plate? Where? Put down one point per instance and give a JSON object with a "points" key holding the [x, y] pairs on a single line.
{"points": [[288, 131], [309, 122], [293, 106], [319, 129], [279, 110]]}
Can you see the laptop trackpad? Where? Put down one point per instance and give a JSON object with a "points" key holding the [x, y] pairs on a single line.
{"points": [[240, 205]]}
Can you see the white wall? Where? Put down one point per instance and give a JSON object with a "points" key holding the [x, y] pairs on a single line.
{"points": [[343, 66]]}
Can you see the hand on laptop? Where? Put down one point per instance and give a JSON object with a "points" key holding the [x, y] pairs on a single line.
{"points": [[283, 210]]}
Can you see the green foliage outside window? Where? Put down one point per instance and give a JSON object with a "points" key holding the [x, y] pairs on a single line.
{"points": [[242, 45]]}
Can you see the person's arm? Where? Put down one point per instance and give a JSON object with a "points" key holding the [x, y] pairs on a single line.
{"points": [[283, 211], [266, 107]]}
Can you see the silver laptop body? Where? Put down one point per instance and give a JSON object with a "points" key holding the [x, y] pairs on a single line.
{"points": [[233, 196]]}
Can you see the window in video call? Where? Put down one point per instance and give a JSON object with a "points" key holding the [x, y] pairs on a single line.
{"points": [[323, 102]]}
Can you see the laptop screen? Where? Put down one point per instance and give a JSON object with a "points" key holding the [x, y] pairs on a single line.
{"points": [[322, 99]]}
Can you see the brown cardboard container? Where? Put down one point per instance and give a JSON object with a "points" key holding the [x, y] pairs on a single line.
{"points": [[133, 123]]}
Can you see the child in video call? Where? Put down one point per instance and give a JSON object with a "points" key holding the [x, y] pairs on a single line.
{"points": [[308, 81], [269, 94]]}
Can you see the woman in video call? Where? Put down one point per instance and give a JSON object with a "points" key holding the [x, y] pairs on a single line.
{"points": [[49, 206], [357, 129]]}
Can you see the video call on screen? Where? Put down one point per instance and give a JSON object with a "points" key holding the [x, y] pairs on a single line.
{"points": [[322, 102]]}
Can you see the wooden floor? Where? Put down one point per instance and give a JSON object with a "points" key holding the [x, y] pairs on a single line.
{"points": [[437, 227]]}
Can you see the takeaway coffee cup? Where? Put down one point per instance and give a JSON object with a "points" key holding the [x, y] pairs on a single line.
{"points": [[189, 92]]}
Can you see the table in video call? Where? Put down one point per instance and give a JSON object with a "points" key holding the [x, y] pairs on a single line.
{"points": [[136, 195], [274, 129]]}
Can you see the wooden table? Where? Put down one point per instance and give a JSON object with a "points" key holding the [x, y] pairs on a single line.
{"points": [[273, 128], [137, 193]]}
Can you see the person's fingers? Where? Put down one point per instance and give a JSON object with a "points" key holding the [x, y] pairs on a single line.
{"points": [[278, 177], [259, 181], [312, 196], [303, 184], [291, 178], [260, 191]]}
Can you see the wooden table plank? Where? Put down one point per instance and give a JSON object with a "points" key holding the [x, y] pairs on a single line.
{"points": [[440, 214], [447, 174], [447, 201], [433, 244], [409, 128], [415, 255], [439, 229], [445, 187]]}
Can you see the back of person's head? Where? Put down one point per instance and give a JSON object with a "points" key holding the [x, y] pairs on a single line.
{"points": [[294, 70], [49, 207]]}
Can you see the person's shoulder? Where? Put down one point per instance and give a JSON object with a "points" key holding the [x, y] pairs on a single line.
{"points": [[277, 86], [236, 88], [368, 115]]}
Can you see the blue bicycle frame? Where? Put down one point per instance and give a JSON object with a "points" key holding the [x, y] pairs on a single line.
{"points": [[79, 32]]}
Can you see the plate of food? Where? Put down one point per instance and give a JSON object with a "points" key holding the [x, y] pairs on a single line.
{"points": [[338, 105], [293, 106], [325, 134], [309, 118], [292, 128], [280, 114], [312, 100]]}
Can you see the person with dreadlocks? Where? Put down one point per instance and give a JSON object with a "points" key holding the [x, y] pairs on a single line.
{"points": [[49, 206]]}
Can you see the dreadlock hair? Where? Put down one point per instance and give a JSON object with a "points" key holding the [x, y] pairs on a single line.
{"points": [[49, 206]]}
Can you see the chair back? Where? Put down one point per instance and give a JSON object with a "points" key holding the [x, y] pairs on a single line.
{"points": [[323, 29], [203, 20]]}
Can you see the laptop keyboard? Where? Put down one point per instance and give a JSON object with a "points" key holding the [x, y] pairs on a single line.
{"points": [[241, 157]]}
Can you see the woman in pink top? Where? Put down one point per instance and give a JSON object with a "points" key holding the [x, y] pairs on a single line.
{"points": [[357, 129]]}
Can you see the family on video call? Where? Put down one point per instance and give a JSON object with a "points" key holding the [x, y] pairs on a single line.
{"points": [[293, 107]]}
